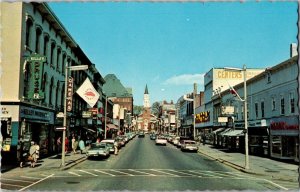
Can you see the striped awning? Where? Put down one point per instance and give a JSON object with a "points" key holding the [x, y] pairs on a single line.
{"points": [[234, 133]]}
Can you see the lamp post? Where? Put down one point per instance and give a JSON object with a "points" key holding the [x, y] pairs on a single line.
{"points": [[244, 69], [67, 68], [105, 116]]}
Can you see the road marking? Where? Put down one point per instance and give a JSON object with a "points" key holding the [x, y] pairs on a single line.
{"points": [[74, 174], [221, 174], [182, 172], [36, 182], [164, 172], [201, 173], [12, 185], [16, 180], [276, 184], [121, 172], [88, 173], [104, 172], [141, 172]]}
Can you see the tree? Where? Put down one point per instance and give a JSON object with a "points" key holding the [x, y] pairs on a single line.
{"points": [[137, 109], [155, 108]]}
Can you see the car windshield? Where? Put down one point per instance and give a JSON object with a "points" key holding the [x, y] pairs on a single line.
{"points": [[98, 146], [190, 142]]}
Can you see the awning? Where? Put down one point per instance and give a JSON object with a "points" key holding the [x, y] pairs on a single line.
{"points": [[88, 129], [111, 126], [234, 133], [224, 131], [218, 130]]}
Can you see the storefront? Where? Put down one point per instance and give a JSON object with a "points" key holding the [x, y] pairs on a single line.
{"points": [[284, 137], [258, 137]]}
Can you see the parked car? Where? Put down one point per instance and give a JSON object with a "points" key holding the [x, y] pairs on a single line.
{"points": [[175, 140], [189, 145], [121, 142], [181, 139], [98, 150], [110, 143], [152, 136], [161, 140]]}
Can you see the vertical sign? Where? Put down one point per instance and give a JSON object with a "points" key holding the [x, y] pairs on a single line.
{"points": [[69, 93], [37, 65]]}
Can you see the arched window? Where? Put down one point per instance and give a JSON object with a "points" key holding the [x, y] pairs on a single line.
{"points": [[51, 91], [57, 94], [44, 82], [58, 60], [38, 33], [46, 44], [29, 25], [52, 53]]}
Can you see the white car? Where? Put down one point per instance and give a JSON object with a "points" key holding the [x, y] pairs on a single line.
{"points": [[110, 143], [189, 145], [161, 140]]}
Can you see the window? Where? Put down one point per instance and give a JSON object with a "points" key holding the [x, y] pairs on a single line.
{"points": [[282, 111], [256, 110], [29, 25], [236, 112], [262, 108], [63, 63], [62, 96], [292, 103], [46, 43], [51, 91], [242, 112], [38, 40], [273, 104], [52, 54], [268, 77], [57, 91], [58, 61]]}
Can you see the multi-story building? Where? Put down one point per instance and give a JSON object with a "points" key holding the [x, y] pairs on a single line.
{"points": [[167, 115], [36, 50], [273, 125]]}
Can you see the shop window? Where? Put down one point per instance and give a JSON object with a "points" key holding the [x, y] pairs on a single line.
{"points": [[288, 146], [282, 110], [292, 103], [276, 145]]}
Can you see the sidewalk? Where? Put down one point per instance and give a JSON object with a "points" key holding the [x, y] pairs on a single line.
{"points": [[50, 163], [257, 165]]}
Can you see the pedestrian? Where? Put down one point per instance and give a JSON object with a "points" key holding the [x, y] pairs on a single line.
{"points": [[116, 147], [66, 144], [204, 139], [81, 146], [22, 153], [34, 153], [74, 145], [58, 144], [98, 140]]}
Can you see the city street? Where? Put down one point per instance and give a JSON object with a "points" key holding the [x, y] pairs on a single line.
{"points": [[140, 165]]}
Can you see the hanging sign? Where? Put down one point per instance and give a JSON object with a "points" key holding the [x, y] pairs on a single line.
{"points": [[69, 94], [37, 68], [88, 93]]}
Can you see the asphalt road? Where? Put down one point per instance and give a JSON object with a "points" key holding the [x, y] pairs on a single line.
{"points": [[141, 165]]}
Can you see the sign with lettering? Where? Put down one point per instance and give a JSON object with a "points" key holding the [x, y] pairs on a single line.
{"points": [[69, 94], [203, 117], [36, 114]]}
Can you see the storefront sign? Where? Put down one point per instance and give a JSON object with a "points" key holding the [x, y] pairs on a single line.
{"points": [[283, 126], [258, 123], [203, 117], [37, 65], [36, 114], [86, 114], [69, 93]]}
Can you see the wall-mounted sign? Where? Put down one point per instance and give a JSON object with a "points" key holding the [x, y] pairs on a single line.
{"points": [[36, 68], [86, 114], [69, 93], [227, 110], [203, 117]]}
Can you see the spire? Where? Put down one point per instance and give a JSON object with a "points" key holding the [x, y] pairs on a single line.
{"points": [[146, 90]]}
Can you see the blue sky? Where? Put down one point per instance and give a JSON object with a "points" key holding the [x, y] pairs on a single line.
{"points": [[169, 46]]}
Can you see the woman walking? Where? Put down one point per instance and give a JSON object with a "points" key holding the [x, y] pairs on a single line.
{"points": [[34, 153]]}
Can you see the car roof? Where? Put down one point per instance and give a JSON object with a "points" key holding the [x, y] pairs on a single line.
{"points": [[107, 141]]}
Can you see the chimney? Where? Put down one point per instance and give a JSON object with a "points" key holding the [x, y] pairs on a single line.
{"points": [[293, 50]]}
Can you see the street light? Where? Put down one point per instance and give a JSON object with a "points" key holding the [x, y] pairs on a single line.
{"points": [[71, 68], [244, 69]]}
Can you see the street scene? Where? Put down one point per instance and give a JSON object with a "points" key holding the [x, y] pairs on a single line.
{"points": [[149, 96]]}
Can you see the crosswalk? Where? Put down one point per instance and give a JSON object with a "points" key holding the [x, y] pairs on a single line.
{"points": [[151, 173]]}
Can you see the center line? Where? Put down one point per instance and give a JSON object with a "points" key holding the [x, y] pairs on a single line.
{"points": [[88, 172]]}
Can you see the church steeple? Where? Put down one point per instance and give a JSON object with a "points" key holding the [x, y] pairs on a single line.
{"points": [[146, 98], [146, 90]]}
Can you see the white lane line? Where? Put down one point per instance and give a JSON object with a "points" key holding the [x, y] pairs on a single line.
{"points": [[72, 173], [239, 175], [104, 172], [164, 172], [16, 180], [121, 172], [36, 182], [141, 172], [183, 173], [88, 173], [201, 173], [220, 174], [281, 187], [11, 185]]}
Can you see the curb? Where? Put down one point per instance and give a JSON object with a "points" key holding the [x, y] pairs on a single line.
{"points": [[73, 163]]}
